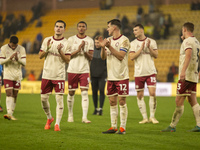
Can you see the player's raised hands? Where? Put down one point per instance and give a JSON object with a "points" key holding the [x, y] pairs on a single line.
{"points": [[102, 42], [142, 46], [81, 46], [59, 47], [14, 56], [49, 43], [148, 43], [108, 42]]}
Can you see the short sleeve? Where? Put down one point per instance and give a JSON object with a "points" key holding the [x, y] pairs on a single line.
{"points": [[187, 45], [125, 45], [23, 52], [132, 48], [67, 48], [44, 45], [91, 46], [2, 54], [154, 45]]}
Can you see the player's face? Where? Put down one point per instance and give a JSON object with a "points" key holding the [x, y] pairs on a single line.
{"points": [[13, 46], [81, 28], [137, 31], [183, 32], [110, 29], [96, 43], [59, 28]]}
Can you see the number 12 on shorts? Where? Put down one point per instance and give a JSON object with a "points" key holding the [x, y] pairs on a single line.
{"points": [[123, 87]]}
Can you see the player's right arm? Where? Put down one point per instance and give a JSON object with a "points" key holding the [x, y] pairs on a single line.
{"points": [[45, 49], [3, 58], [133, 54]]}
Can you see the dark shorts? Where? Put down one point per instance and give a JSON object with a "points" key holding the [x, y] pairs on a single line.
{"points": [[140, 82], [120, 88], [9, 84], [74, 79], [48, 85], [185, 88]]}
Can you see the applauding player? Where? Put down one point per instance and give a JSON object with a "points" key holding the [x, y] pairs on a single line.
{"points": [[56, 52]]}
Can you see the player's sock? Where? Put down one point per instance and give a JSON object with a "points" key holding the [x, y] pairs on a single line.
{"points": [[13, 106], [196, 111], [142, 107], [59, 108], [46, 105], [85, 103], [123, 115], [177, 115], [113, 116], [9, 102], [70, 104], [152, 106]]}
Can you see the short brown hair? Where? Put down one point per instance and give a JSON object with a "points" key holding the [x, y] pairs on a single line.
{"points": [[115, 22], [61, 21], [189, 26], [139, 25]]}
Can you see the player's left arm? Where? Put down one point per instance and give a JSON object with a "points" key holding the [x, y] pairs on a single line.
{"points": [[65, 57], [188, 56], [123, 49], [152, 49]]}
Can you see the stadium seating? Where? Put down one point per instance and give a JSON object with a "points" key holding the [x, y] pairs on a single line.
{"points": [[96, 19]]}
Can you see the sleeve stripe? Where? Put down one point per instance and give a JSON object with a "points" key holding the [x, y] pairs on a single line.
{"points": [[123, 50], [23, 57], [132, 52], [188, 49], [2, 57], [68, 54]]}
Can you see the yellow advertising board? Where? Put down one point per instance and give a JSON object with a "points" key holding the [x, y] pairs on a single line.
{"points": [[33, 87]]}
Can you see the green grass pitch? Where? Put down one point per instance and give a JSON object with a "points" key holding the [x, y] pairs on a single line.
{"points": [[27, 133]]}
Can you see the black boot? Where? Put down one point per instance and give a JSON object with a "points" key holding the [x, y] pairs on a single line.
{"points": [[100, 112], [95, 112]]}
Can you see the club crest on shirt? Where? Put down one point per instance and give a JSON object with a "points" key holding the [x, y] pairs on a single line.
{"points": [[117, 44], [7, 85]]}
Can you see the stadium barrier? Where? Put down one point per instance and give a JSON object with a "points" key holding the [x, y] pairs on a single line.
{"points": [[162, 89]]}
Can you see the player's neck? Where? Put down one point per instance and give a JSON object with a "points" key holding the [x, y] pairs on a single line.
{"points": [[189, 34], [57, 37], [141, 38], [116, 35], [81, 35]]}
